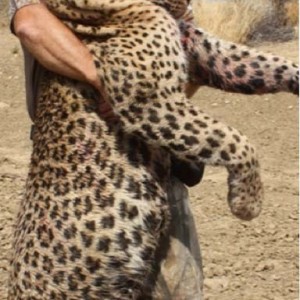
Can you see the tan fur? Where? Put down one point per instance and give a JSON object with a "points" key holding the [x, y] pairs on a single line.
{"points": [[96, 204]]}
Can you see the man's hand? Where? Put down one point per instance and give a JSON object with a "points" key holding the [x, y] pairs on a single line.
{"points": [[54, 45]]}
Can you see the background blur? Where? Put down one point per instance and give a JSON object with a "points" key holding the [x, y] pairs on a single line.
{"points": [[247, 21]]}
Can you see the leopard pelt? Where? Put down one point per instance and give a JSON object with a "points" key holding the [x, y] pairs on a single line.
{"points": [[96, 204]]}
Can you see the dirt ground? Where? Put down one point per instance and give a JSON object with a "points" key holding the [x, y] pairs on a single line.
{"points": [[255, 260]]}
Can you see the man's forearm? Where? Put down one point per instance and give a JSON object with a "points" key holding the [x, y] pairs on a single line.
{"points": [[53, 44]]}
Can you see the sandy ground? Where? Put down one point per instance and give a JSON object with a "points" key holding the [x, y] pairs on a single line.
{"points": [[255, 260]]}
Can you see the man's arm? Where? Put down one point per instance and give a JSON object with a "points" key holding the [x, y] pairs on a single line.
{"points": [[53, 44]]}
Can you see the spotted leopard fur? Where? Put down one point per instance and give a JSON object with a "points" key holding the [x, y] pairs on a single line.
{"points": [[156, 110], [235, 68], [95, 205]]}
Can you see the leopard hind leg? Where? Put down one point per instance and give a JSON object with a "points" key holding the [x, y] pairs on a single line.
{"points": [[235, 68]]}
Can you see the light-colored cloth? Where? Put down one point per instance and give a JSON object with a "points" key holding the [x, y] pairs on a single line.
{"points": [[180, 276]]}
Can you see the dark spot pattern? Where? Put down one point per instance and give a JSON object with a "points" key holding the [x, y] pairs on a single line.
{"points": [[96, 196]]}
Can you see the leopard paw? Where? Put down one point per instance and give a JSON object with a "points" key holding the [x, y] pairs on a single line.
{"points": [[245, 196]]}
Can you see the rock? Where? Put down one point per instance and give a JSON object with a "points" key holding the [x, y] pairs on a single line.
{"points": [[212, 270], [272, 229], [293, 217], [216, 284], [258, 231], [3, 105], [290, 239], [276, 277], [266, 265], [239, 268]]}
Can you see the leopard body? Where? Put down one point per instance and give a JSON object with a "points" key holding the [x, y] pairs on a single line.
{"points": [[96, 205]]}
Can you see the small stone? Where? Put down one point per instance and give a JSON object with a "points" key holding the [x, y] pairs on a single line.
{"points": [[262, 276], [276, 277], [265, 266], [272, 226], [3, 105], [289, 239], [238, 268], [293, 217], [212, 270], [216, 284], [258, 231], [236, 285]]}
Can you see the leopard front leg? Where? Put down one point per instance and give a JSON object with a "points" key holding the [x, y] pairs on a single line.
{"points": [[191, 135], [235, 68], [143, 80]]}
